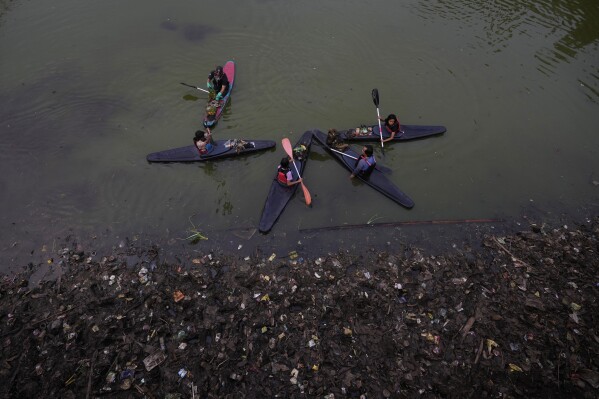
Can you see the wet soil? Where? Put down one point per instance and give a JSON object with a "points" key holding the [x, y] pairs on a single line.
{"points": [[513, 316]]}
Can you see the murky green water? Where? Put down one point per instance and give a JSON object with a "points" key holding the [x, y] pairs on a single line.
{"points": [[87, 89]]}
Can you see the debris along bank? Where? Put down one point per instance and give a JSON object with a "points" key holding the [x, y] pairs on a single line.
{"points": [[517, 317]]}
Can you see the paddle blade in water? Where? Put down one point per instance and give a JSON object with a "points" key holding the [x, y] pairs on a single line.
{"points": [[375, 97], [307, 195]]}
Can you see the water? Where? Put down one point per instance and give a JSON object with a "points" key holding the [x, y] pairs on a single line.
{"points": [[88, 89]]}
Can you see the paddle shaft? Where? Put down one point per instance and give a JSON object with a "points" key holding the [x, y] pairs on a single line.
{"points": [[287, 146], [195, 87], [342, 153], [375, 99], [380, 129], [381, 168]]}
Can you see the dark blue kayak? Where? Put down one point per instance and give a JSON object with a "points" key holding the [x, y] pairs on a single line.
{"points": [[376, 180], [279, 195], [410, 132], [222, 149]]}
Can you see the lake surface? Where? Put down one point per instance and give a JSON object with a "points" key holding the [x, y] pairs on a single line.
{"points": [[88, 89]]}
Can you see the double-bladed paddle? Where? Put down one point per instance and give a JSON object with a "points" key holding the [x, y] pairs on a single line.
{"points": [[195, 87], [375, 99], [289, 150]]}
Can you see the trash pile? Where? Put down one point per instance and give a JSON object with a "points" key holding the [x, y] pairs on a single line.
{"points": [[517, 317]]}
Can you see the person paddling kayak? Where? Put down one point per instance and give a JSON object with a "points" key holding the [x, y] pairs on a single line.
{"points": [[218, 81], [365, 164], [392, 127], [284, 175], [203, 141]]}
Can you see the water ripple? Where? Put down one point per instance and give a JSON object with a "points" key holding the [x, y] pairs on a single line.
{"points": [[571, 25]]}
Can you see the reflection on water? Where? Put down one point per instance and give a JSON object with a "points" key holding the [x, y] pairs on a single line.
{"points": [[82, 103], [572, 26]]}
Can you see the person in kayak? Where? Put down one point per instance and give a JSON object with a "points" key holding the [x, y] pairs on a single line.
{"points": [[203, 141], [365, 164], [334, 141], [392, 127], [218, 81], [284, 175]]}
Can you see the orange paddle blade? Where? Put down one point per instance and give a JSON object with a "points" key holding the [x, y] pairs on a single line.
{"points": [[307, 195], [289, 150]]}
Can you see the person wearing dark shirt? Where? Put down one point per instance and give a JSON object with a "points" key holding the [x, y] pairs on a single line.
{"points": [[392, 127], [218, 81]]}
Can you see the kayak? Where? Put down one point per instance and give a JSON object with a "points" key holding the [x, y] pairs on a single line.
{"points": [[279, 195], [376, 180], [210, 120], [410, 132], [221, 149]]}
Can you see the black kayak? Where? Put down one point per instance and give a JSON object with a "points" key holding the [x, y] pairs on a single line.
{"points": [[410, 132], [222, 149], [279, 195], [376, 180]]}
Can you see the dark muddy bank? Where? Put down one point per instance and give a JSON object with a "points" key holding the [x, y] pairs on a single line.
{"points": [[508, 316]]}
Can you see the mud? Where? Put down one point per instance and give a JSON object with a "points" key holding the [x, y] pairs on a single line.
{"points": [[514, 316]]}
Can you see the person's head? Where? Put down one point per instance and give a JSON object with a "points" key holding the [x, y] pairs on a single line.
{"points": [[367, 150], [218, 71], [391, 119], [285, 163], [199, 136]]}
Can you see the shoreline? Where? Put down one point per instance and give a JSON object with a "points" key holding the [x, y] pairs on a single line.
{"points": [[511, 315]]}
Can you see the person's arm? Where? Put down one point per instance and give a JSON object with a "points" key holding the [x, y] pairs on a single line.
{"points": [[390, 137], [289, 179], [358, 169], [293, 183], [225, 85]]}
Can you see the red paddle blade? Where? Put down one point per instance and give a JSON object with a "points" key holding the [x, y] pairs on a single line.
{"points": [[287, 146], [307, 195]]}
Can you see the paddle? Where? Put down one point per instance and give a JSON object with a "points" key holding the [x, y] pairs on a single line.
{"points": [[381, 168], [195, 87], [287, 146], [375, 99]]}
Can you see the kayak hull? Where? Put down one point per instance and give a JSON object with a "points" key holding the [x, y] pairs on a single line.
{"points": [[279, 195], [221, 150], [410, 132], [376, 180], [229, 70]]}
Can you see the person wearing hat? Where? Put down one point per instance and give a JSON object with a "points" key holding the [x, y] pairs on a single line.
{"points": [[218, 81]]}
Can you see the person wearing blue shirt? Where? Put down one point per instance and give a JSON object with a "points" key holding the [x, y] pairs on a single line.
{"points": [[365, 164]]}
